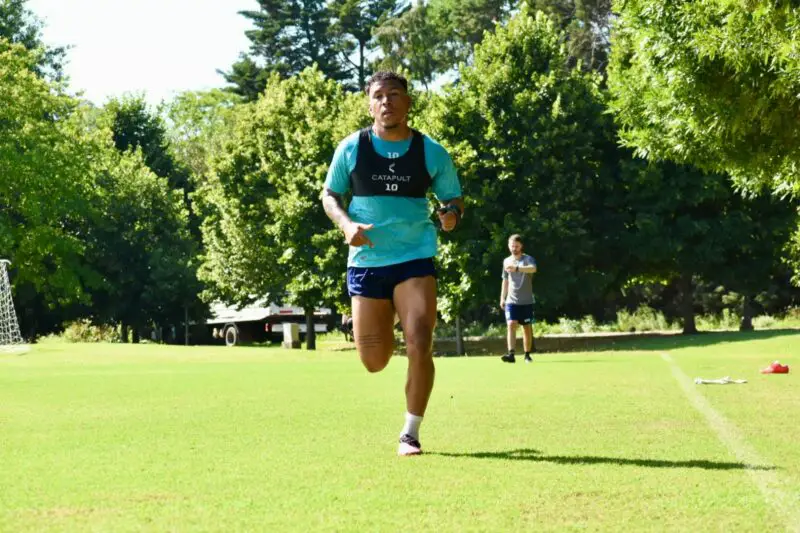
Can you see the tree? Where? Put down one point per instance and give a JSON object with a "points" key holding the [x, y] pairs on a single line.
{"points": [[247, 77], [305, 120], [711, 84], [412, 42], [429, 39], [793, 250], [196, 122], [266, 232], [687, 228], [19, 25], [587, 26], [134, 127], [46, 190], [462, 23], [289, 36], [678, 229], [529, 136], [760, 228], [354, 23], [142, 244], [240, 257]]}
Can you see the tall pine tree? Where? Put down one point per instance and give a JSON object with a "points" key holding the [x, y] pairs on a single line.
{"points": [[289, 35]]}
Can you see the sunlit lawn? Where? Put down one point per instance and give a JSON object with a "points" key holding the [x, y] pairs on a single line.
{"points": [[161, 438]]}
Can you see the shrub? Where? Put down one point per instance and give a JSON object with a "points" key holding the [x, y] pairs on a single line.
{"points": [[764, 322], [84, 331], [727, 320], [643, 319]]}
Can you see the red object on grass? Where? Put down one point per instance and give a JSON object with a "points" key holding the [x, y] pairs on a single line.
{"points": [[776, 368]]}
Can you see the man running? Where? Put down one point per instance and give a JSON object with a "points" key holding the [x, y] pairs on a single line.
{"points": [[516, 298], [389, 168]]}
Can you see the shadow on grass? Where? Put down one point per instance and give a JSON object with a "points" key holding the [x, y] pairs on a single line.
{"points": [[527, 454], [615, 341]]}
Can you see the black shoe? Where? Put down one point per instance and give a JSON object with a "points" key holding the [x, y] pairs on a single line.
{"points": [[528, 358], [508, 358]]}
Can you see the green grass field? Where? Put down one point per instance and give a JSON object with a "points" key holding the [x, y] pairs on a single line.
{"points": [[118, 438]]}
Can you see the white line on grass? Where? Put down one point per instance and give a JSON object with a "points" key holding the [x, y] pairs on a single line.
{"points": [[767, 481]]}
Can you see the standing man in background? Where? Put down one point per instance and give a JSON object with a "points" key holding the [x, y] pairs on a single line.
{"points": [[516, 298], [389, 168]]}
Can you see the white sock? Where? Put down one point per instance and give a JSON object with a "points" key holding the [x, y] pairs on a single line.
{"points": [[412, 425]]}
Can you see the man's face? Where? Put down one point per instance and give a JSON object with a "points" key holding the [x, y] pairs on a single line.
{"points": [[515, 247], [388, 103]]}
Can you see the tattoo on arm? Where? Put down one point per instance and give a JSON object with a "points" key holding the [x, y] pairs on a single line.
{"points": [[332, 203]]}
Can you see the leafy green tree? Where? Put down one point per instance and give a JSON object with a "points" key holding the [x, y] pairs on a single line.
{"points": [[462, 23], [265, 231], [712, 84], [45, 190], [793, 253], [412, 42], [134, 126], [196, 121], [306, 120], [289, 35], [678, 229], [429, 39], [239, 253], [587, 26], [18, 24], [469, 19], [143, 244], [247, 77], [354, 22], [760, 231], [529, 137], [687, 228]]}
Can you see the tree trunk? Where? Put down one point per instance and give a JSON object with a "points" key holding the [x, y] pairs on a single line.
{"points": [[459, 337], [687, 304], [186, 325], [123, 334], [361, 71], [747, 314], [135, 335], [311, 334]]}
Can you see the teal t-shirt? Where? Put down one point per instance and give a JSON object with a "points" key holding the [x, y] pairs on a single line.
{"points": [[403, 230]]}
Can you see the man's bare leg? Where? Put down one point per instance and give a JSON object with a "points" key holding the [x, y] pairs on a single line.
{"points": [[527, 337], [511, 341], [511, 335], [415, 300], [527, 341], [372, 331]]}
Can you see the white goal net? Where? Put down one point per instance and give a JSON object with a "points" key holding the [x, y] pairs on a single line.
{"points": [[10, 337]]}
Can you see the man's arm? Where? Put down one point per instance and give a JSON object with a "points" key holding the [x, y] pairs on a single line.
{"points": [[503, 293], [354, 232], [332, 203], [529, 269]]}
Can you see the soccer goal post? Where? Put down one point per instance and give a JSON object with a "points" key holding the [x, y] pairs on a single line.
{"points": [[10, 336]]}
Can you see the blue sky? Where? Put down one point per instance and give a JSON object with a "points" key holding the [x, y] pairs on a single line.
{"points": [[155, 47]]}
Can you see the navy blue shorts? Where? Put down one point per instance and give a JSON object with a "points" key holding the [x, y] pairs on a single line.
{"points": [[379, 282], [521, 313]]}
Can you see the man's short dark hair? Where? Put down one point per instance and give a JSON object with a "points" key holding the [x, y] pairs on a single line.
{"points": [[385, 75]]}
